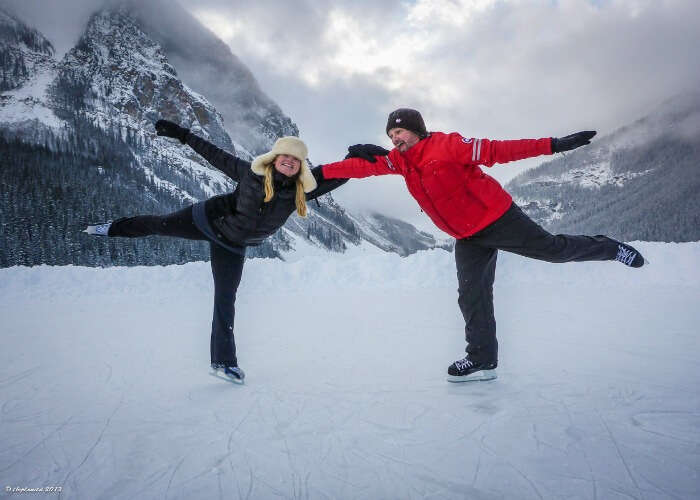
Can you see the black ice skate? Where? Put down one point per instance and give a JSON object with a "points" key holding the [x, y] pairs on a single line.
{"points": [[228, 372], [629, 256], [467, 370]]}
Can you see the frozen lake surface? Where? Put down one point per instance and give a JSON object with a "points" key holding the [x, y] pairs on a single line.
{"points": [[105, 392]]}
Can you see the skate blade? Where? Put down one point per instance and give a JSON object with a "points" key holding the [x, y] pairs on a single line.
{"points": [[238, 381], [479, 376]]}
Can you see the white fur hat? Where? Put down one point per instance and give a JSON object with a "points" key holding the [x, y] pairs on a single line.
{"points": [[292, 146]]}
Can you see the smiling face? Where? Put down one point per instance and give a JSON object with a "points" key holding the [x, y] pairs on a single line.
{"points": [[287, 165], [403, 139]]}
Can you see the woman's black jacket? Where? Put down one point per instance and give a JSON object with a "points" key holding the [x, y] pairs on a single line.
{"points": [[242, 217]]}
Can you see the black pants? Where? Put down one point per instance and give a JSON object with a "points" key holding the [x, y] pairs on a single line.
{"points": [[226, 267], [476, 268]]}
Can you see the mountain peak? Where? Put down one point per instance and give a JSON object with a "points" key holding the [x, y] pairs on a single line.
{"points": [[205, 62], [115, 30], [122, 65]]}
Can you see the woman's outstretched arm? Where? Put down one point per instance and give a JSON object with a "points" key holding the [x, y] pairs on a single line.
{"points": [[229, 164], [226, 162]]}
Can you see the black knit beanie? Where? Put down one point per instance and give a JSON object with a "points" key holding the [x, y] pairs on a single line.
{"points": [[409, 119]]}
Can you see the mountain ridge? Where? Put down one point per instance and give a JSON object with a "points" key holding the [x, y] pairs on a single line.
{"points": [[637, 183]]}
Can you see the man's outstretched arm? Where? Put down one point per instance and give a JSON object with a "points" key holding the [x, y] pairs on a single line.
{"points": [[487, 152], [363, 160], [357, 168]]}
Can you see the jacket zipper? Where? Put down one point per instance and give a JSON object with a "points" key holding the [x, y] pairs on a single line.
{"points": [[429, 199]]}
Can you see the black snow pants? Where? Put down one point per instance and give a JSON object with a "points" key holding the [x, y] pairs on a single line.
{"points": [[226, 266], [476, 256]]}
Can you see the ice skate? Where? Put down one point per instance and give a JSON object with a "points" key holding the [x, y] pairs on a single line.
{"points": [[98, 229], [227, 372], [629, 256], [468, 370]]}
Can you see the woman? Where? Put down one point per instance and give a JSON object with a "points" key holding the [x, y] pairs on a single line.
{"points": [[268, 191]]}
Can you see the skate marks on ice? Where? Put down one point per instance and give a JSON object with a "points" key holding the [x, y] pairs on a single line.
{"points": [[122, 406]]}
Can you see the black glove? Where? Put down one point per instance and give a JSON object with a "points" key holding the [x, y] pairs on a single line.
{"points": [[366, 152], [169, 129], [572, 141]]}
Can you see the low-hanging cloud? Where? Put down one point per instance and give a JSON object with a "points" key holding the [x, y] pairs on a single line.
{"points": [[499, 69]]}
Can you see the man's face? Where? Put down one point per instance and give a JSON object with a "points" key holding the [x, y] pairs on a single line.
{"points": [[403, 139]]}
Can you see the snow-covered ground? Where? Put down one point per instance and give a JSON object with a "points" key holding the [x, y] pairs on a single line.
{"points": [[105, 392]]}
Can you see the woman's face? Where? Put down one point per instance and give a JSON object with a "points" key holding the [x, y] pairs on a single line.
{"points": [[287, 165]]}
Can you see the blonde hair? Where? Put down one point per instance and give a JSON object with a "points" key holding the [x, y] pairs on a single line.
{"points": [[299, 199]]}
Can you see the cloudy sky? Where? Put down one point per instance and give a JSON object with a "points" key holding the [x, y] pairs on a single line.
{"points": [[486, 68]]}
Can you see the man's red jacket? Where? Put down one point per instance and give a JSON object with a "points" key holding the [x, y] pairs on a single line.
{"points": [[442, 174]]}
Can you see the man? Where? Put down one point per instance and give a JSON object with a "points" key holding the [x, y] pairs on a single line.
{"points": [[441, 172]]}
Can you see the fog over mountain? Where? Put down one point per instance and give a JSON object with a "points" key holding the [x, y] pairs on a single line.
{"points": [[637, 183]]}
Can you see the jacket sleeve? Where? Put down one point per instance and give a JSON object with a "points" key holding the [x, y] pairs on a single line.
{"points": [[324, 185], [487, 152], [357, 168], [229, 164]]}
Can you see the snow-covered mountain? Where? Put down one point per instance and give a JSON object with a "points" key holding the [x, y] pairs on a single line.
{"points": [[638, 183], [22, 52], [394, 235], [117, 77], [205, 63], [92, 113], [27, 66]]}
